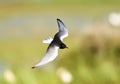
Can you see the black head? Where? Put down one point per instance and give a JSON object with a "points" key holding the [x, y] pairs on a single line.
{"points": [[62, 46]]}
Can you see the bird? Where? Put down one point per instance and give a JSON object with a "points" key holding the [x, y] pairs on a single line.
{"points": [[54, 44]]}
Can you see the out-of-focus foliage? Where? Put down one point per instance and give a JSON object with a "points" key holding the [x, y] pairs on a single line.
{"points": [[93, 56]]}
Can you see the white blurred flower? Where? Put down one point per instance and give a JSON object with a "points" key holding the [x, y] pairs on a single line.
{"points": [[9, 76], [114, 19], [64, 75]]}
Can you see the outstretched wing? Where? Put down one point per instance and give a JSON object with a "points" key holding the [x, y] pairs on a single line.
{"points": [[63, 32], [48, 40], [50, 55]]}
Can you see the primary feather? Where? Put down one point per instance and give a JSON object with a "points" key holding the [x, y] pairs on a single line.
{"points": [[50, 55], [63, 32]]}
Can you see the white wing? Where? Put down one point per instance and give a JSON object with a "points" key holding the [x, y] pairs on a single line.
{"points": [[48, 40], [63, 32], [50, 55]]}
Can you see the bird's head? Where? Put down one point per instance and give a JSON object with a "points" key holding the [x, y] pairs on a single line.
{"points": [[62, 46]]}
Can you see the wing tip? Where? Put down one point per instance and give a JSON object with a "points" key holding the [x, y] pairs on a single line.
{"points": [[59, 20], [33, 67]]}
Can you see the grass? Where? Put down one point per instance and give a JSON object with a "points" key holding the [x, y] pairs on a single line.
{"points": [[87, 66]]}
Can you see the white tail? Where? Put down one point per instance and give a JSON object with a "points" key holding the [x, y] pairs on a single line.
{"points": [[48, 40]]}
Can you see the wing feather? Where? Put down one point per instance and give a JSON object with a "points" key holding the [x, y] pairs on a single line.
{"points": [[50, 55], [63, 32]]}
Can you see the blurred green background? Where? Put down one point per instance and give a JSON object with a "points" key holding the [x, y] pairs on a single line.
{"points": [[93, 56]]}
